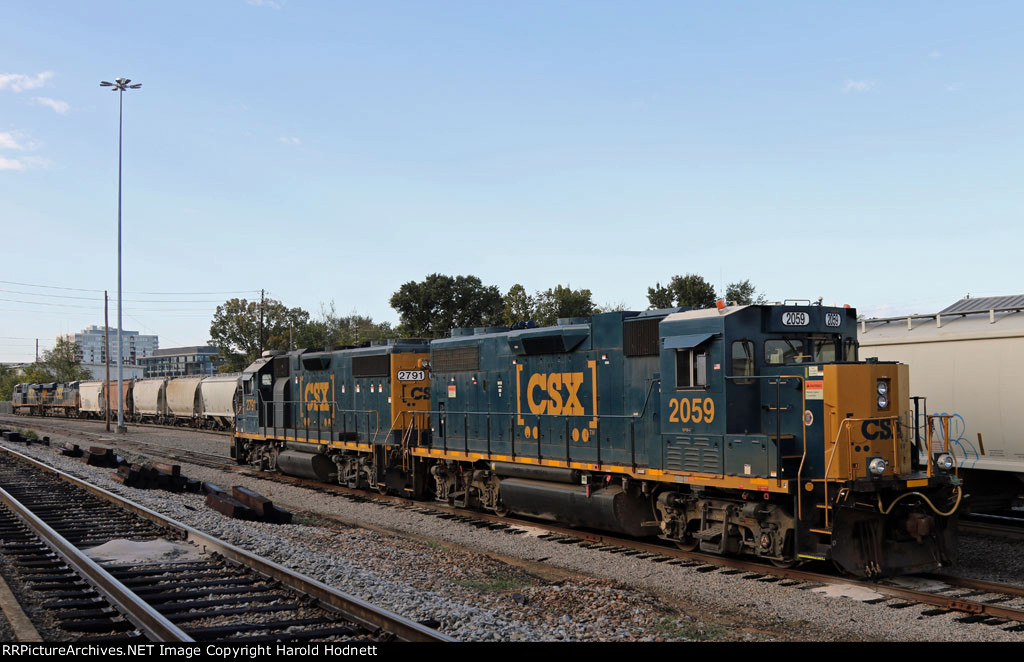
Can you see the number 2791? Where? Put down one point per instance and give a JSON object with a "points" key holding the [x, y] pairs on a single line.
{"points": [[687, 410]]}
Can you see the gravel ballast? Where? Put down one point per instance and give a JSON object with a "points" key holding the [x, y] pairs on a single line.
{"points": [[483, 585]]}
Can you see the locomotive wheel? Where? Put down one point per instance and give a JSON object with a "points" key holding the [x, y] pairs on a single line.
{"points": [[688, 543], [785, 565], [501, 511]]}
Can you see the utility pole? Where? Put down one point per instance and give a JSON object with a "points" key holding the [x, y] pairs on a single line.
{"points": [[261, 325], [106, 357], [37, 350]]}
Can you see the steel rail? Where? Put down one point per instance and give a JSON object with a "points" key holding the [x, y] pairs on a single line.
{"points": [[154, 625], [359, 611], [967, 606]]}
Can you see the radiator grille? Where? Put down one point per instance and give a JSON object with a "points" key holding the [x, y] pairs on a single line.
{"points": [[371, 366], [640, 338], [455, 359]]}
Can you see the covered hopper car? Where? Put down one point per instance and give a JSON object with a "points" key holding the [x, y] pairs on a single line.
{"points": [[208, 402], [967, 361]]}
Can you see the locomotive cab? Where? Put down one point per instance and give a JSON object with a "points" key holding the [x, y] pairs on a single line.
{"points": [[773, 400]]}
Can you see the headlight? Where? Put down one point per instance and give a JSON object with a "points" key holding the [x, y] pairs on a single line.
{"points": [[883, 387], [944, 462], [883, 402], [877, 466]]}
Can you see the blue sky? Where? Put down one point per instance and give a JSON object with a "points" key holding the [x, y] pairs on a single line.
{"points": [[869, 153]]}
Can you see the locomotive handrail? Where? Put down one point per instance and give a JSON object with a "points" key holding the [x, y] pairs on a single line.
{"points": [[835, 449], [334, 409], [945, 418], [444, 414], [512, 437]]}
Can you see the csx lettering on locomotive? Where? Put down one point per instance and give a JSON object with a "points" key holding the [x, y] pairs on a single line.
{"points": [[876, 429], [554, 385], [316, 396]]}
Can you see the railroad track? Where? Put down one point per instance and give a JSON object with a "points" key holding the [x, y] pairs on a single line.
{"points": [[30, 421], [213, 591], [999, 526], [979, 602]]}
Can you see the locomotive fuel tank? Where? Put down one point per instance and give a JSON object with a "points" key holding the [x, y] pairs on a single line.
{"points": [[314, 466], [610, 507]]}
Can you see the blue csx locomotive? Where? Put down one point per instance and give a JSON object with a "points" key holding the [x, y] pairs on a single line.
{"points": [[736, 430]]}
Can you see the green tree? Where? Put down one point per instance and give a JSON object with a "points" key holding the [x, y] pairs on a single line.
{"points": [[691, 291], [431, 308], [744, 293], [35, 373], [518, 305], [611, 307], [8, 380], [62, 363], [660, 296], [562, 302], [236, 330], [331, 330]]}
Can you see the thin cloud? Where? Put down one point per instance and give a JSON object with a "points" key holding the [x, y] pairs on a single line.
{"points": [[858, 86], [59, 107], [8, 141], [935, 54], [289, 140], [264, 3], [11, 164], [21, 82]]}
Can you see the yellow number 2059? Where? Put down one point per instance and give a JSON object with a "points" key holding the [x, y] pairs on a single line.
{"points": [[691, 410]]}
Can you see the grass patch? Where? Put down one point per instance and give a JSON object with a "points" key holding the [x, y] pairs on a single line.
{"points": [[671, 628], [436, 545], [30, 433]]}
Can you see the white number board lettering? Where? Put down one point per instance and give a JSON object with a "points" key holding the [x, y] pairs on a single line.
{"points": [[796, 319], [411, 375], [833, 319]]}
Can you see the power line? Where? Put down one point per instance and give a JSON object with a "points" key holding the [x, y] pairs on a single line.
{"points": [[61, 305], [79, 289], [64, 296], [49, 287]]}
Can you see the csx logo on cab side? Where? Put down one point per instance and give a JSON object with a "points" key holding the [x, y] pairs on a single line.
{"points": [[876, 429], [554, 385]]}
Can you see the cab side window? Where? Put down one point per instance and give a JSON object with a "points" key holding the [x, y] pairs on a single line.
{"points": [[692, 368], [743, 361]]}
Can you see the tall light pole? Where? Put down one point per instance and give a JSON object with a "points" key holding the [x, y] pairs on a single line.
{"points": [[119, 85]]}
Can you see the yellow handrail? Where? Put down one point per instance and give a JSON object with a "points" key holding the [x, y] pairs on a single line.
{"points": [[835, 449]]}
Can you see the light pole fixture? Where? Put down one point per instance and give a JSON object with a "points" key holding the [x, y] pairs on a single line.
{"points": [[119, 85]]}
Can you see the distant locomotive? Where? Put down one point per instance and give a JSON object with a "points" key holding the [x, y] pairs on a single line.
{"points": [[206, 402], [742, 430]]}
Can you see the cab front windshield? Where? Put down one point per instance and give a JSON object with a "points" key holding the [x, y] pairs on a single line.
{"points": [[814, 349]]}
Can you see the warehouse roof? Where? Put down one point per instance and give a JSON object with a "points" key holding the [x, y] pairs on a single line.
{"points": [[985, 304]]}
